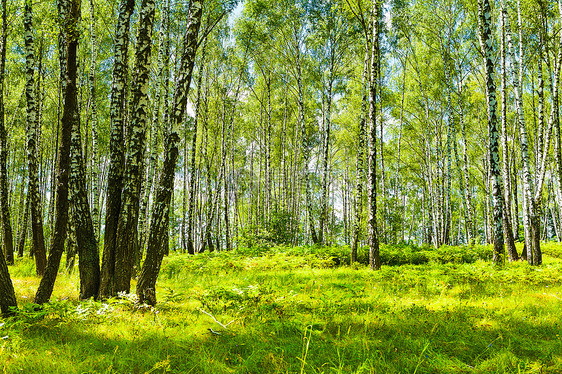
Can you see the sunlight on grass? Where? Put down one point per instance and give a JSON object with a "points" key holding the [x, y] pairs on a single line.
{"points": [[297, 311]]}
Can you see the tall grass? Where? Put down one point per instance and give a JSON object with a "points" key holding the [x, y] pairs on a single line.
{"points": [[303, 310]]}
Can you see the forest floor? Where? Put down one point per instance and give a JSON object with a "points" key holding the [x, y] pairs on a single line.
{"points": [[302, 310]]}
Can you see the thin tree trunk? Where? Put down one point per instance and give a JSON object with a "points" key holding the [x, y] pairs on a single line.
{"points": [[556, 123], [7, 235], [326, 151], [534, 203], [466, 178], [531, 220], [450, 131], [192, 191], [94, 121], [305, 149], [360, 168], [507, 228], [7, 294], [22, 221], [374, 256]]}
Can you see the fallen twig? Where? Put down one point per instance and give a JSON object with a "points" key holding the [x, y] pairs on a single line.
{"points": [[214, 319]]}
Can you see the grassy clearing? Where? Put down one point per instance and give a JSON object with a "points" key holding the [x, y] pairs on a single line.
{"points": [[301, 311]]}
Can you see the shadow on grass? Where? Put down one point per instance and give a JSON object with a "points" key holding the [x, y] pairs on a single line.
{"points": [[355, 337]]}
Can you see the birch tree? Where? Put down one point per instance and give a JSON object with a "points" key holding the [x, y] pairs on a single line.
{"points": [[32, 149], [7, 234], [151, 266], [374, 255], [485, 14], [116, 147], [127, 234], [530, 217], [69, 12], [7, 294]]}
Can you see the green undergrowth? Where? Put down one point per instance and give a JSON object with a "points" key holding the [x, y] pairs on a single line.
{"points": [[302, 310]]}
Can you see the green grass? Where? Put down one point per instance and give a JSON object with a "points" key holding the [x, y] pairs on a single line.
{"points": [[299, 310]]}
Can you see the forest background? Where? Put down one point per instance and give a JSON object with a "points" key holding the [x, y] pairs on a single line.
{"points": [[146, 128], [259, 159]]}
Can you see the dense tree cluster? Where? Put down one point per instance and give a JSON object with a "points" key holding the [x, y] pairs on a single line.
{"points": [[129, 129]]}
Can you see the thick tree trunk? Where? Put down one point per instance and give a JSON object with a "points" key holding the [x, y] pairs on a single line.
{"points": [[151, 266], [116, 148], [127, 234], [485, 14], [89, 264], [161, 94], [69, 10]]}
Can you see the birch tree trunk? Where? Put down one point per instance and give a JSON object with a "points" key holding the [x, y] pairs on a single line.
{"points": [[7, 294], [95, 171], [163, 66], [23, 227], [32, 149], [326, 148], [507, 227], [305, 148], [192, 189], [530, 217], [485, 14], [447, 216], [151, 266], [374, 255], [7, 233], [127, 234], [556, 124], [534, 255], [360, 168], [463, 170], [116, 148], [69, 11], [89, 264]]}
